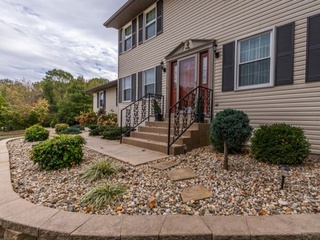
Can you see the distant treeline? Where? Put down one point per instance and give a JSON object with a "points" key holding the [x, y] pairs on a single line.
{"points": [[59, 97]]}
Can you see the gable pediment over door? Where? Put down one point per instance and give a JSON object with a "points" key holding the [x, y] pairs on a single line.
{"points": [[188, 47]]}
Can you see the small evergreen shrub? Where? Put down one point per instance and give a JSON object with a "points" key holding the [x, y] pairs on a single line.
{"points": [[36, 133], [58, 152], [93, 126], [233, 126], [100, 129], [103, 194], [60, 127], [54, 122], [114, 133], [99, 170], [78, 126], [70, 130], [280, 143]]}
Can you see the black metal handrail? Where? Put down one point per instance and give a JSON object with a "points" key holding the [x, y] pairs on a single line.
{"points": [[142, 110], [193, 107]]}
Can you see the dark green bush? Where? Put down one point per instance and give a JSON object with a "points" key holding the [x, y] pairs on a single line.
{"points": [[78, 126], [113, 133], [60, 127], [280, 143], [93, 126], [58, 152], [230, 125], [70, 130], [36, 133], [100, 129]]}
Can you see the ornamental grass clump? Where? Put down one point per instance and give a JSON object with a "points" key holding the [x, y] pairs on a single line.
{"points": [[100, 169], [280, 143], [103, 194], [58, 152], [36, 133], [230, 127]]}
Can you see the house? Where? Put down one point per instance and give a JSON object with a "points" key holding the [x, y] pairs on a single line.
{"points": [[105, 97], [262, 57]]}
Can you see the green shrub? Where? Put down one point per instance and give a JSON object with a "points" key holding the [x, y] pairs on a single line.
{"points": [[60, 127], [103, 194], [99, 170], [70, 130], [232, 129], [93, 126], [58, 152], [230, 125], [99, 130], [54, 122], [280, 144], [78, 126], [113, 133], [36, 133]]}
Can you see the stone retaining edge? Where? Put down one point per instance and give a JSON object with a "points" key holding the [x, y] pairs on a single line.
{"points": [[20, 217]]}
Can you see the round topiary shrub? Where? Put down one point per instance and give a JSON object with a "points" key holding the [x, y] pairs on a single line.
{"points": [[60, 127], [233, 126], [280, 143], [232, 129], [36, 133], [58, 152]]}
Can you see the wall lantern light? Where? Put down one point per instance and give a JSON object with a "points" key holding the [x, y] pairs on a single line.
{"points": [[162, 66], [215, 50]]}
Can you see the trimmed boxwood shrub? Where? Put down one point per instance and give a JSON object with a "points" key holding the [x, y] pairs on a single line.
{"points": [[280, 143], [60, 127], [36, 133], [113, 133], [58, 152]]}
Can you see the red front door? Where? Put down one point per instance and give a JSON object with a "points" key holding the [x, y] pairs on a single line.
{"points": [[186, 76], [174, 83]]}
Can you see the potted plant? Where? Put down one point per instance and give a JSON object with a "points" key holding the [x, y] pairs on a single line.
{"points": [[199, 113], [157, 111]]}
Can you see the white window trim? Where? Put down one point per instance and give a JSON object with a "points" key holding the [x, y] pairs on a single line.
{"points": [[154, 6], [123, 88], [101, 92], [124, 36], [144, 81], [272, 59]]}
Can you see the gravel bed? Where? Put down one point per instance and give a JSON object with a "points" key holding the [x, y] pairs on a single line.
{"points": [[248, 188]]}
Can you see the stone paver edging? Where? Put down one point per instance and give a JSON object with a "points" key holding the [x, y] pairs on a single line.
{"points": [[28, 221]]}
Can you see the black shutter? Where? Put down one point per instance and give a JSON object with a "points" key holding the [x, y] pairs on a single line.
{"points": [[98, 96], [159, 16], [120, 90], [159, 80], [228, 67], [140, 28], [133, 87], [313, 49], [140, 85], [284, 54], [104, 100], [120, 41], [134, 33]]}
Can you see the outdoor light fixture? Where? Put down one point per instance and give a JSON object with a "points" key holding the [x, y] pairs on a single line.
{"points": [[215, 50], [162, 66], [284, 173]]}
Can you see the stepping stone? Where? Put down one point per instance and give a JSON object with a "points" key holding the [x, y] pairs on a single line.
{"points": [[195, 193], [181, 174], [165, 165]]}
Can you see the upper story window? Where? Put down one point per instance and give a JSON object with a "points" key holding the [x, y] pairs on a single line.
{"points": [[127, 88], [149, 81], [254, 61], [128, 38], [150, 24]]}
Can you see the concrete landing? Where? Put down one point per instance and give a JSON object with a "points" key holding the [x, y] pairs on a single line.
{"points": [[123, 152]]}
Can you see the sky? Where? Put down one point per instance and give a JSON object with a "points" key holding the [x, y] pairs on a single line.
{"points": [[39, 35]]}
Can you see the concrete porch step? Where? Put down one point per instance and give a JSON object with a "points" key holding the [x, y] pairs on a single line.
{"points": [[175, 149], [159, 137]]}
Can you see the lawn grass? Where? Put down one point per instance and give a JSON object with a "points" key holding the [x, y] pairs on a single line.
{"points": [[11, 134]]}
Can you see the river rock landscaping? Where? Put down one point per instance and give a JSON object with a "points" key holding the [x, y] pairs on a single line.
{"points": [[248, 188]]}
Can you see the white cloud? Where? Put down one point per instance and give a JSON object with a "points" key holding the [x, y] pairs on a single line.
{"points": [[40, 35]]}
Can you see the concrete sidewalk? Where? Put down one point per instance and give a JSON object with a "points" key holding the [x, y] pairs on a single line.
{"points": [[123, 152]]}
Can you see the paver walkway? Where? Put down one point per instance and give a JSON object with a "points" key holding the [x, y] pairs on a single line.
{"points": [[123, 152]]}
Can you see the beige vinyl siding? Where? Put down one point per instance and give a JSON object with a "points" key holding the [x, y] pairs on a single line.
{"points": [[110, 101], [225, 21]]}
